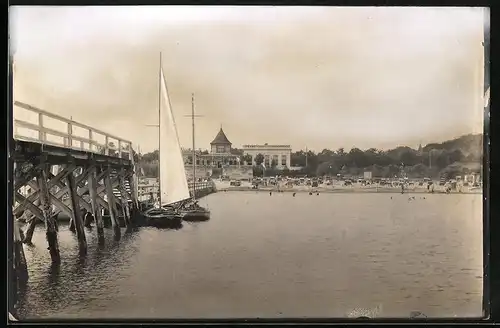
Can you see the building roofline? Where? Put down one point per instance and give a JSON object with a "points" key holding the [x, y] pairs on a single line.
{"points": [[221, 139], [266, 146]]}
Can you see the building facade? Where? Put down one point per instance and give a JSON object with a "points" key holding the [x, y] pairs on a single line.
{"points": [[279, 154], [219, 156], [221, 159]]}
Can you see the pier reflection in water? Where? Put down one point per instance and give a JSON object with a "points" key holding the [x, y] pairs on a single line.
{"points": [[278, 256]]}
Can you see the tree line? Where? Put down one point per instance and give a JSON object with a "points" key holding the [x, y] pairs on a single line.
{"points": [[448, 159]]}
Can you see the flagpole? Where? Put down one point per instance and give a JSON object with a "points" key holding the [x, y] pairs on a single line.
{"points": [[194, 149], [159, 129], [306, 156]]}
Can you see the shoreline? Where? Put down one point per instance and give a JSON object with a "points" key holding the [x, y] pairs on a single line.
{"points": [[349, 190]]}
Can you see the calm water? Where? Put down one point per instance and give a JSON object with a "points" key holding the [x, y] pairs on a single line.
{"points": [[275, 256]]}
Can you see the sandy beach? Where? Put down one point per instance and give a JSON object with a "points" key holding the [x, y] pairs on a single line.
{"points": [[339, 188]]}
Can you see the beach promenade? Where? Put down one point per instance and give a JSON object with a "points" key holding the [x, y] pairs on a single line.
{"points": [[338, 187]]}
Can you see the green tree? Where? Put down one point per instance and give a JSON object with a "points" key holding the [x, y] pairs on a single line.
{"points": [[418, 171], [442, 159], [258, 171], [456, 156], [247, 158], [435, 157], [408, 157], [453, 170], [259, 159], [298, 158], [236, 151], [356, 157], [327, 168]]}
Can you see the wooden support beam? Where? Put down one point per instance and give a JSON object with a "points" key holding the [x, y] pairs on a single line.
{"points": [[51, 232], [123, 199], [87, 219], [30, 207], [60, 184], [101, 187], [20, 265], [102, 202], [77, 215], [96, 206], [28, 236], [111, 203], [78, 180], [28, 176], [61, 206], [132, 181], [53, 182]]}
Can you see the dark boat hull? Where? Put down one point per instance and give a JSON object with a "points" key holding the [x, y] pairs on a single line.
{"points": [[162, 223], [162, 218], [195, 215]]}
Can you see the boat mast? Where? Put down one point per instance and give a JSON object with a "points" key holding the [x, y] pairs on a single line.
{"points": [[193, 116], [194, 149], [159, 130]]}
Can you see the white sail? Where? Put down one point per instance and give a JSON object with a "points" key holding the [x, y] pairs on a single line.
{"points": [[173, 181]]}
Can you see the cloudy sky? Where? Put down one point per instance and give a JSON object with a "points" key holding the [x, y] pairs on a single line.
{"points": [[320, 77]]}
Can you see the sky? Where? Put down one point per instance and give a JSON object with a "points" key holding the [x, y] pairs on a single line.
{"points": [[315, 77]]}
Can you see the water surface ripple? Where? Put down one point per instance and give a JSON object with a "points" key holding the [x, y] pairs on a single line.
{"points": [[274, 256]]}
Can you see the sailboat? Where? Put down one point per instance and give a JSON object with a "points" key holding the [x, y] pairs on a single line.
{"points": [[193, 212], [174, 189]]}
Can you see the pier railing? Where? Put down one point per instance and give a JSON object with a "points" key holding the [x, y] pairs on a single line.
{"points": [[145, 190], [122, 148]]}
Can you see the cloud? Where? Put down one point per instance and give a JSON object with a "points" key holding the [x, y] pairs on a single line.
{"points": [[322, 77]]}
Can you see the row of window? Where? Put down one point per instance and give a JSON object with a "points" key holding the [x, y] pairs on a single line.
{"points": [[207, 162], [275, 158], [221, 149], [267, 161]]}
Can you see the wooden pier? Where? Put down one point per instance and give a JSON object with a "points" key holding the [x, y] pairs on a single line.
{"points": [[200, 189], [77, 176], [89, 179], [57, 171]]}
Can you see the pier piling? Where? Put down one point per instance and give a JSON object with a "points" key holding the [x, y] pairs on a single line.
{"points": [[96, 208], [51, 177], [30, 230], [72, 226], [111, 202], [20, 264], [123, 199], [132, 181], [88, 218], [77, 214], [50, 226]]}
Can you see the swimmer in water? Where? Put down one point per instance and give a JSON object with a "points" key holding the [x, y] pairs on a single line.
{"points": [[270, 193]]}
